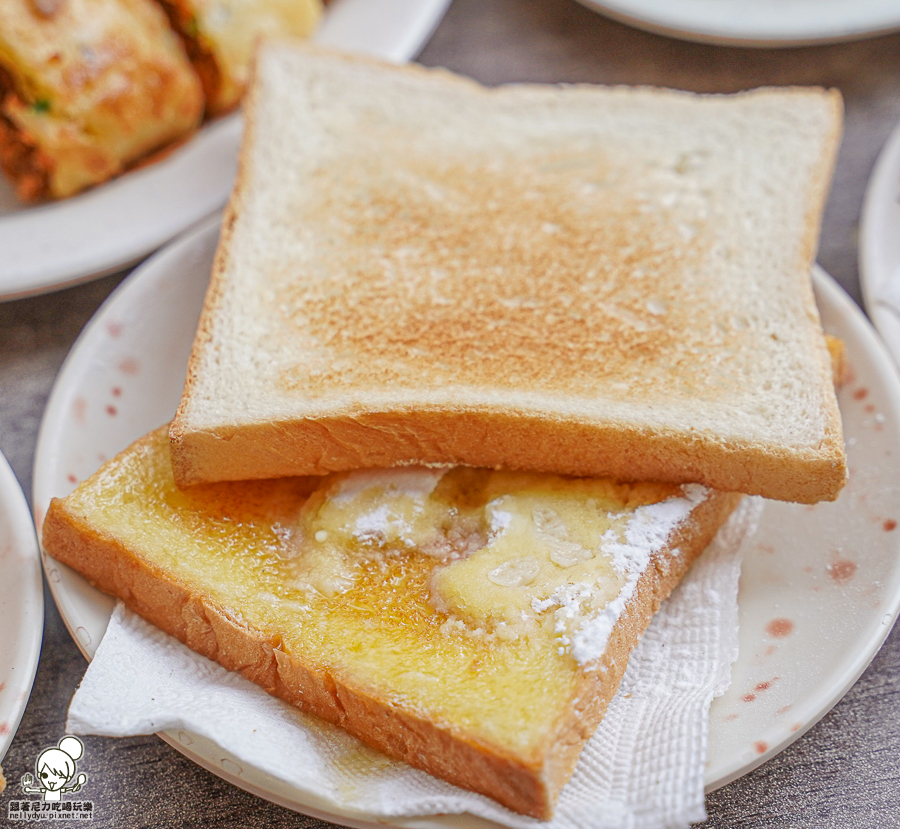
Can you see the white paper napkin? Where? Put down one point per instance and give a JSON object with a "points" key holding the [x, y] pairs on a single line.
{"points": [[643, 769]]}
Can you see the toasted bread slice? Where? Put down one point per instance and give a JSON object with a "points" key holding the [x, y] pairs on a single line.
{"points": [[414, 268], [87, 89], [221, 37], [472, 623]]}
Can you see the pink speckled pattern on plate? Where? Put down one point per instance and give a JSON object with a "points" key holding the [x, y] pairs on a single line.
{"points": [[820, 589], [21, 605]]}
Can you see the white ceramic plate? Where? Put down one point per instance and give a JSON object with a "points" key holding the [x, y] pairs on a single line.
{"points": [[819, 592], [821, 589], [756, 22], [118, 223], [21, 605], [879, 245]]}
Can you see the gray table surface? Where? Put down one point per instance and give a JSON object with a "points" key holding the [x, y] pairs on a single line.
{"points": [[845, 772]]}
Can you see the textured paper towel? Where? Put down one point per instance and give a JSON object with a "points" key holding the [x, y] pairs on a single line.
{"points": [[643, 769]]}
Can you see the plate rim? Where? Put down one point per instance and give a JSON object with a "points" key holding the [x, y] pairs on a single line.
{"points": [[14, 507], [880, 189], [822, 703], [634, 13]]}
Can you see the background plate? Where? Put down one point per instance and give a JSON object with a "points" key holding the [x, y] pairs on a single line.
{"points": [[879, 245], [756, 22], [820, 588], [21, 605], [118, 223]]}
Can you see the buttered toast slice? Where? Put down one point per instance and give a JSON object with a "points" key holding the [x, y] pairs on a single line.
{"points": [[472, 623], [609, 282]]}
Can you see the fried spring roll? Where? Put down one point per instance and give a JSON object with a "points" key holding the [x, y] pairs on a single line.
{"points": [[87, 89]]}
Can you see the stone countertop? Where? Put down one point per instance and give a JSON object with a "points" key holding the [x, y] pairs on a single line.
{"points": [[845, 772]]}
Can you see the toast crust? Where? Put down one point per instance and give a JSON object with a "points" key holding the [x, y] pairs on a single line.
{"points": [[504, 439], [527, 785], [312, 426]]}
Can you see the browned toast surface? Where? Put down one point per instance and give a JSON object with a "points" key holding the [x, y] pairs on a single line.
{"points": [[578, 280]]}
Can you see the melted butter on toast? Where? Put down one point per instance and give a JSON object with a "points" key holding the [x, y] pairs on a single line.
{"points": [[410, 595], [513, 552]]}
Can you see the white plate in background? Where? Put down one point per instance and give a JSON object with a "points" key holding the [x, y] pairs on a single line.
{"points": [[879, 245], [53, 245], [762, 23], [820, 589], [21, 605]]}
